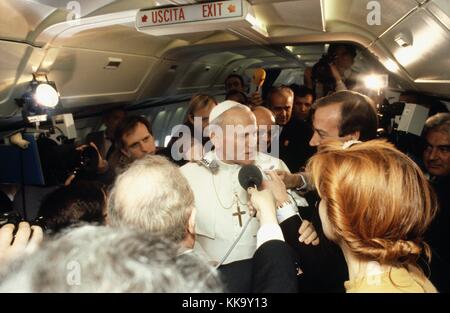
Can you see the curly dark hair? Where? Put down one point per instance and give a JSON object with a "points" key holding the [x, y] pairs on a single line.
{"points": [[80, 202]]}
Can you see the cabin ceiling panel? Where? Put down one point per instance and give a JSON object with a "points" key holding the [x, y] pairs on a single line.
{"points": [[82, 76], [360, 16], [426, 53], [19, 17]]}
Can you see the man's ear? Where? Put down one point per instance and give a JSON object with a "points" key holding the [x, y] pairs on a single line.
{"points": [[356, 135], [191, 222], [213, 137], [353, 136]]}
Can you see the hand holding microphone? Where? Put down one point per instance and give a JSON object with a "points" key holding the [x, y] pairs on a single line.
{"points": [[259, 76], [265, 203], [262, 203]]}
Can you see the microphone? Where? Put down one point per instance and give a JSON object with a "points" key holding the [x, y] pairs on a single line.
{"points": [[250, 176], [210, 164], [259, 76]]}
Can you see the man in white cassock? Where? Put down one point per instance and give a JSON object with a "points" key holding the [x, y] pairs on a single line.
{"points": [[221, 202]]}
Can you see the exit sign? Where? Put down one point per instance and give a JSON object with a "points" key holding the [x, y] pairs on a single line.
{"points": [[190, 13], [235, 15]]}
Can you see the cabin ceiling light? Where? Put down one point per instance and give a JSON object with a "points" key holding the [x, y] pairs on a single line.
{"points": [[46, 95], [403, 40], [290, 48], [391, 66], [376, 82]]}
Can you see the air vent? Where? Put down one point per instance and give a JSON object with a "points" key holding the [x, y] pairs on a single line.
{"points": [[113, 64]]}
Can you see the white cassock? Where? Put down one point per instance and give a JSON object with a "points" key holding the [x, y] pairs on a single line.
{"points": [[222, 209]]}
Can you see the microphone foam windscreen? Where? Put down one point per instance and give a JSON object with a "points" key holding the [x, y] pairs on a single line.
{"points": [[250, 176], [259, 76]]}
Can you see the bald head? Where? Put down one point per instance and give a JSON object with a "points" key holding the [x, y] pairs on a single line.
{"points": [[263, 116], [265, 120]]}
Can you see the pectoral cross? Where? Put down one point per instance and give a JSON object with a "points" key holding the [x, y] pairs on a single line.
{"points": [[239, 213]]}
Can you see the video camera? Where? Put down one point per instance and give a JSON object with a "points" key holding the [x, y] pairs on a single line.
{"points": [[389, 114], [14, 217], [321, 71], [402, 125], [59, 161]]}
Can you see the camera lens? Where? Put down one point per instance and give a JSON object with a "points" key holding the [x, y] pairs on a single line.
{"points": [[10, 218], [89, 160]]}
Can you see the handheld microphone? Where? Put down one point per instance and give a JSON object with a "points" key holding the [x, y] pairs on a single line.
{"points": [[250, 176], [258, 78]]}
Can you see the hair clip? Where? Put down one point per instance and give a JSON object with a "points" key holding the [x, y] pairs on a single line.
{"points": [[349, 143]]}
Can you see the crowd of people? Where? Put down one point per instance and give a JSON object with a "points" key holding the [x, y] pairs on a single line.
{"points": [[338, 209]]}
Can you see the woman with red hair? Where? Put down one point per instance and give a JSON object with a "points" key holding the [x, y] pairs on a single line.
{"points": [[376, 205]]}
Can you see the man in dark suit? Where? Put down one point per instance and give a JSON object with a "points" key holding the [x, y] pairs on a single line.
{"points": [[343, 116], [295, 133], [163, 203], [436, 157], [104, 140]]}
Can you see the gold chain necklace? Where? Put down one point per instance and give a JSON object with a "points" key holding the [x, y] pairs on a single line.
{"points": [[236, 197]]}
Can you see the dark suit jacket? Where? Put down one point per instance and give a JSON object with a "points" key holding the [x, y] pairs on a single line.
{"points": [[438, 237], [271, 270], [294, 144], [324, 267]]}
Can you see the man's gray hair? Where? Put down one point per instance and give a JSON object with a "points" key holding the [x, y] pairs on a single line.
{"points": [[152, 196], [107, 259], [438, 122]]}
